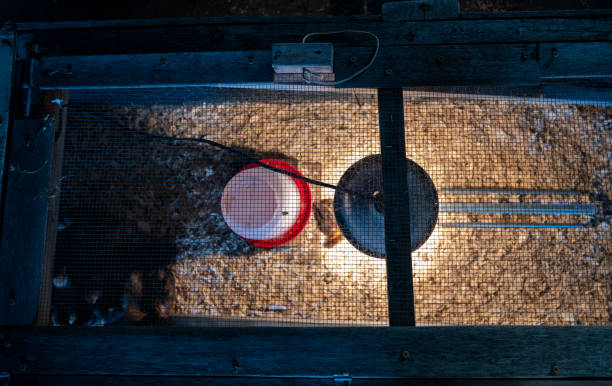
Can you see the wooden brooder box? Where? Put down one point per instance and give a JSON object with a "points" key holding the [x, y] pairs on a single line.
{"points": [[103, 226]]}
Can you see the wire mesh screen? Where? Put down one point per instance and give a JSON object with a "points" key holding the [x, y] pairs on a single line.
{"points": [[147, 237], [523, 184], [155, 231]]}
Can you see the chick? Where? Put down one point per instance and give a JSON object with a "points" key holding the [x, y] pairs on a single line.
{"points": [[164, 301], [63, 317], [326, 221], [132, 298], [61, 280], [93, 296]]}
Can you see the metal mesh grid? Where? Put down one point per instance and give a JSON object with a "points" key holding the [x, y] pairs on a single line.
{"points": [[147, 231], [489, 154], [142, 238]]}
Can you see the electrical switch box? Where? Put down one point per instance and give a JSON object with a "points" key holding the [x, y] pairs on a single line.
{"points": [[294, 58]]}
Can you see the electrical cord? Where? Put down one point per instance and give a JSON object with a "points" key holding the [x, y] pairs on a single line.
{"points": [[309, 79], [255, 161]]}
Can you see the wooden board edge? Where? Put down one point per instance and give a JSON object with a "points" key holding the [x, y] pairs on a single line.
{"points": [[426, 352], [52, 102], [397, 219], [7, 63]]}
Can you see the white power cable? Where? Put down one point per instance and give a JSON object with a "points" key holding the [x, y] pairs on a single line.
{"points": [[308, 78]]}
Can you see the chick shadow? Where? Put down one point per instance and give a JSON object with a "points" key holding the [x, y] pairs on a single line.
{"points": [[134, 205]]}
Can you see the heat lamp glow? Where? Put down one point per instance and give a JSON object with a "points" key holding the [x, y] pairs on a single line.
{"points": [[346, 260]]}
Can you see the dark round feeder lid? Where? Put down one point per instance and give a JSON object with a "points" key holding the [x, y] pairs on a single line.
{"points": [[361, 220]]}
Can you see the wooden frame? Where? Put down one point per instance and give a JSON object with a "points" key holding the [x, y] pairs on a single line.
{"points": [[387, 352], [548, 53], [397, 212], [525, 50]]}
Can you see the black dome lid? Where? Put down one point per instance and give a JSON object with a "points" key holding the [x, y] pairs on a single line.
{"points": [[361, 220]]}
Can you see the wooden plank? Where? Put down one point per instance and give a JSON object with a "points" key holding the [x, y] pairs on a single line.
{"points": [[201, 21], [423, 352], [7, 58], [576, 60], [479, 65], [397, 211], [23, 227], [187, 21], [420, 10], [261, 36], [541, 14], [52, 102], [500, 31], [491, 65], [167, 69], [111, 380]]}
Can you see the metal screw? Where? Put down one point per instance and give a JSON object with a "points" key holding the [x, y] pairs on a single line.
{"points": [[234, 365], [409, 36], [555, 53], [251, 60], [388, 72], [353, 59], [162, 60], [405, 354], [425, 7], [554, 370]]}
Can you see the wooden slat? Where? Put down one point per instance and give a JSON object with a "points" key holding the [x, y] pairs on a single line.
{"points": [[438, 352], [7, 42], [156, 69], [192, 21], [397, 211], [24, 222], [491, 65], [541, 14], [239, 37], [501, 31], [420, 10], [187, 21], [415, 66], [576, 60], [59, 114], [111, 380], [260, 36]]}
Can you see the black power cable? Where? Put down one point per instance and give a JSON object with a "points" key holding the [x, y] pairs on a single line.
{"points": [[255, 161]]}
